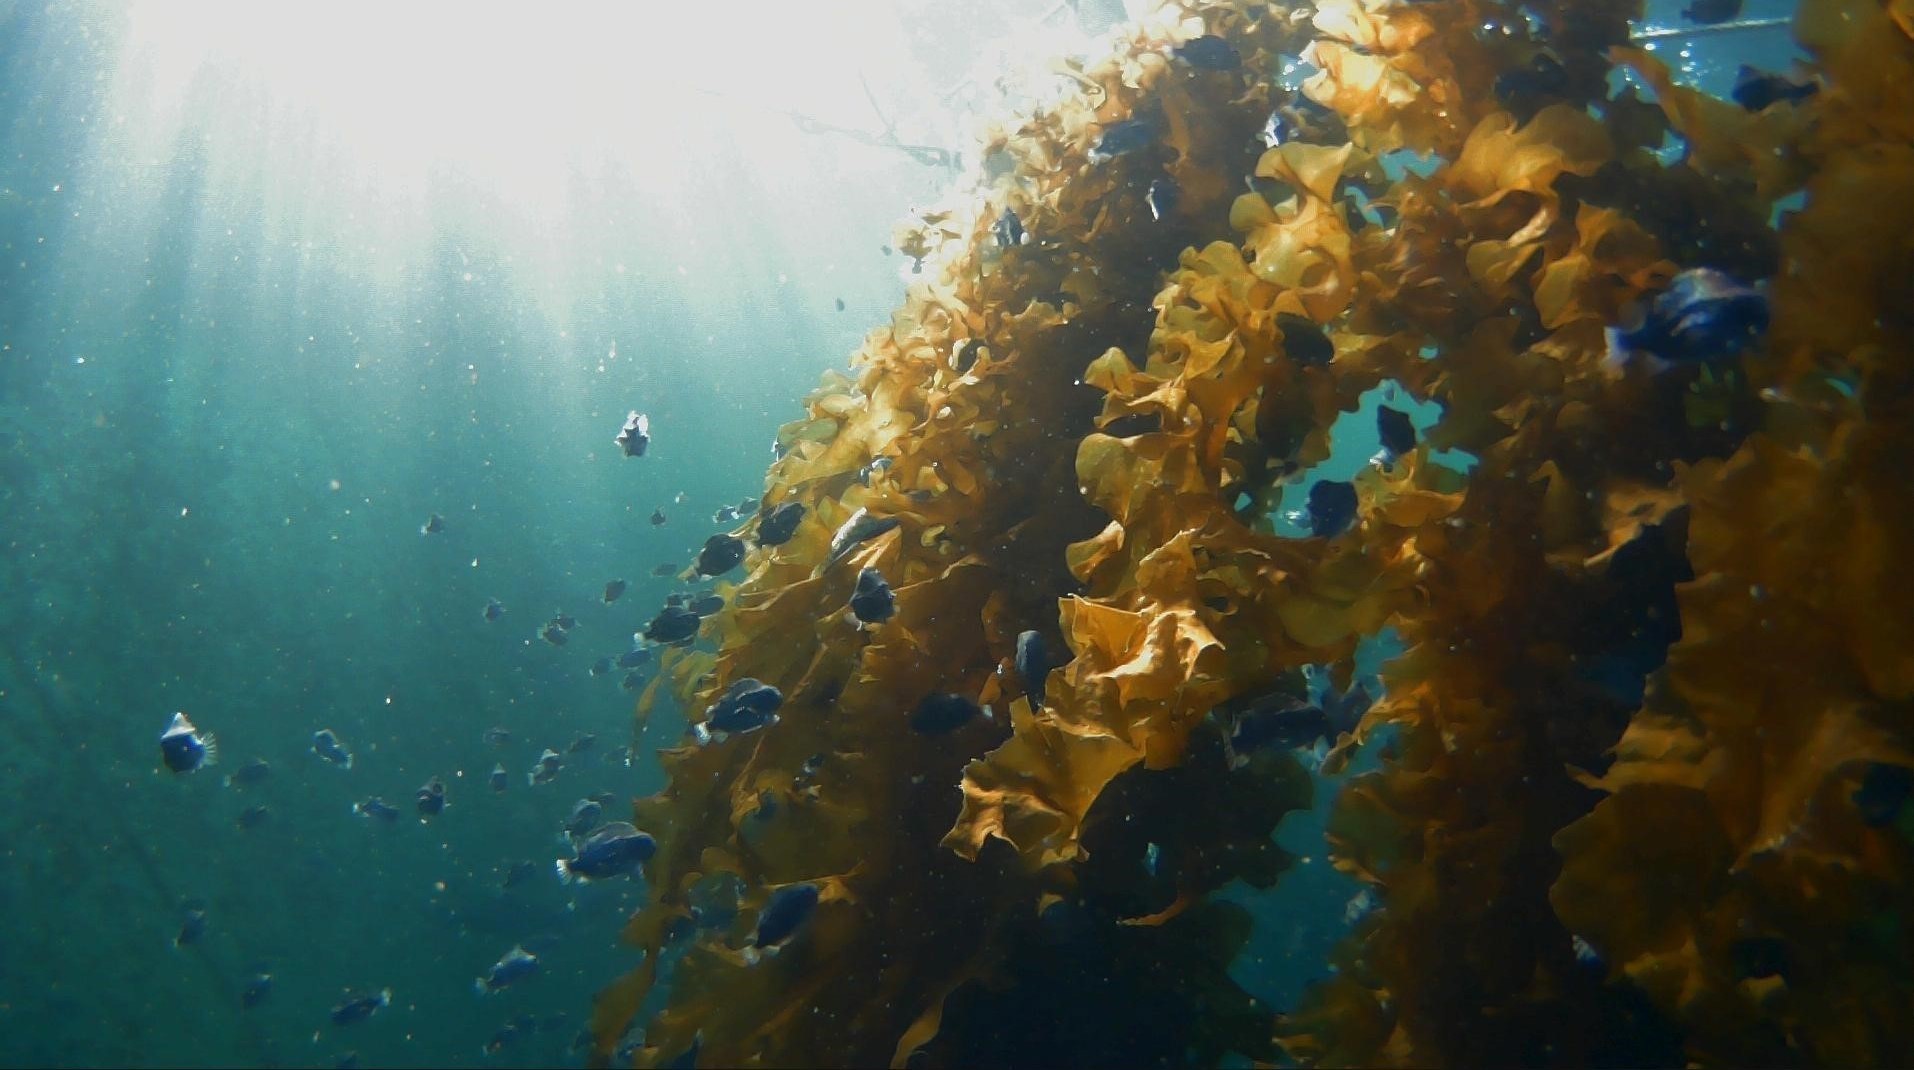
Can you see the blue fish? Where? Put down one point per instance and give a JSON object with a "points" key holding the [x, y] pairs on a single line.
{"points": [[613, 849], [516, 965], [1304, 341], [376, 807], [184, 749], [431, 798], [780, 524], [872, 602], [325, 743], [1703, 317], [1208, 52], [631, 659], [745, 706], [1033, 665], [635, 437], [258, 987], [546, 770], [1756, 89], [1331, 508], [499, 780], [494, 609], [359, 1008], [674, 625], [584, 817], [433, 525], [1398, 435], [862, 526], [721, 554], [1008, 229], [192, 925], [249, 775], [784, 913], [1122, 138]]}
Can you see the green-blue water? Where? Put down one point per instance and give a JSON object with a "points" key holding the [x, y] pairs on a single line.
{"points": [[232, 388]]}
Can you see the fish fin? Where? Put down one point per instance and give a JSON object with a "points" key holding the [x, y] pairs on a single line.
{"points": [[565, 874], [479, 986], [212, 750]]}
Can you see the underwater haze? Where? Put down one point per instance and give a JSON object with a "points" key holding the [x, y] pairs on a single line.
{"points": [[981, 534]]}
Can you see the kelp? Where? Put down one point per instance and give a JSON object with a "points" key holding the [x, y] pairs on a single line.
{"points": [[1636, 801]]}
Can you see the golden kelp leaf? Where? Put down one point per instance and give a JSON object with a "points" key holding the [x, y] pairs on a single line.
{"points": [[1724, 138], [1035, 789], [1310, 169]]}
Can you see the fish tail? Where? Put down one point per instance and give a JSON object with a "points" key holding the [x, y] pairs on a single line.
{"points": [[483, 989], [212, 750], [565, 874]]}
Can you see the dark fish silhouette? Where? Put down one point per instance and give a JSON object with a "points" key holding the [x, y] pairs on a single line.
{"points": [[721, 554], [872, 602], [1208, 52], [784, 913], [635, 437], [745, 706], [778, 525], [1331, 508], [184, 749], [1033, 665]]}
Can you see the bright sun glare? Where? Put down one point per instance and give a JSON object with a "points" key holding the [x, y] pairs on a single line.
{"points": [[509, 95]]}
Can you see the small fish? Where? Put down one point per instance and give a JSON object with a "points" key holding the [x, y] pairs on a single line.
{"points": [[431, 798], [745, 706], [584, 817], [499, 778], [861, 527], [359, 1008], [632, 682], [376, 807], [1272, 719], [726, 514], [1278, 129], [1122, 138], [678, 498], [676, 598], [1398, 435], [519, 873], [633, 658], [494, 609], [565, 621], [665, 568], [514, 966], [673, 625], [658, 518], [258, 987], [635, 437], [581, 743], [1331, 508], [1710, 12], [325, 743], [746, 505], [778, 525], [433, 525], [885, 249], [1008, 230], [252, 817], [1756, 89], [784, 913], [872, 602], [1543, 76], [840, 304], [706, 604], [613, 849], [614, 591], [1162, 198], [546, 770], [1033, 664], [721, 554], [601, 666], [192, 925], [554, 635], [1703, 317], [941, 712], [252, 774], [184, 749], [496, 736], [1304, 341], [1208, 52]]}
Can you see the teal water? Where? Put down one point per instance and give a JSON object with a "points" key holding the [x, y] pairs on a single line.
{"points": [[233, 385]]}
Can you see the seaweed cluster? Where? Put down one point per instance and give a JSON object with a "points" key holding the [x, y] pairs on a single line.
{"points": [[1643, 795]]}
